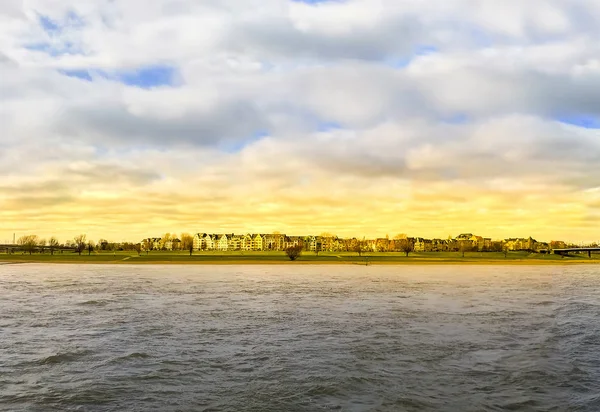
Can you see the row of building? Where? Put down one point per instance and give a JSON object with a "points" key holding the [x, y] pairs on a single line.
{"points": [[280, 242]]}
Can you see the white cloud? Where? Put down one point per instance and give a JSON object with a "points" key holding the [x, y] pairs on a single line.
{"points": [[474, 113]]}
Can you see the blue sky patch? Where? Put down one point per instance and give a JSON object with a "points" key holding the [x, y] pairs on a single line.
{"points": [[54, 50], [238, 146], [148, 77], [587, 122], [328, 126], [79, 74], [48, 25], [458, 118], [43, 47], [402, 62], [313, 1], [52, 27], [144, 77], [426, 49]]}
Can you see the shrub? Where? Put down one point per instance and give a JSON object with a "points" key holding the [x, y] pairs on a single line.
{"points": [[294, 252]]}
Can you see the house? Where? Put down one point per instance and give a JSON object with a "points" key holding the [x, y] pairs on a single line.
{"points": [[542, 247], [235, 242], [222, 243], [268, 242], [528, 244], [371, 245], [510, 244], [439, 245], [312, 243], [291, 241], [487, 243], [477, 243], [464, 236], [246, 242], [273, 241], [204, 241], [515, 244], [558, 244], [420, 244], [257, 242], [197, 241]]}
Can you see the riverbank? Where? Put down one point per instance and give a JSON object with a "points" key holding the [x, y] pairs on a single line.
{"points": [[279, 258]]}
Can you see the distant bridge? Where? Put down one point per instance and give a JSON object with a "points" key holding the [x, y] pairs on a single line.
{"points": [[589, 250]]}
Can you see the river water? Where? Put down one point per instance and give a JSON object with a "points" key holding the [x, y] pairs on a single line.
{"points": [[299, 338]]}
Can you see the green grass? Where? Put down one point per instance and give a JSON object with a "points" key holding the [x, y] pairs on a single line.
{"points": [[214, 257]]}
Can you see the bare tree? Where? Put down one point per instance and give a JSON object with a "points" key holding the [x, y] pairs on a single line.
{"points": [[103, 244], [294, 252], [406, 246], [164, 240], [53, 244], [28, 243], [90, 247], [42, 244], [187, 241], [79, 242], [146, 245], [358, 246], [465, 246]]}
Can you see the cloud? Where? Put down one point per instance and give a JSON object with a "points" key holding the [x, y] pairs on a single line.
{"points": [[361, 117]]}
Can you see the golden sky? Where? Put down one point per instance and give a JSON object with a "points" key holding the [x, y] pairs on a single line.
{"points": [[128, 119]]}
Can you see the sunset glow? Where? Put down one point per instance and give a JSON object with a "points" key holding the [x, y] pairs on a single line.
{"points": [[126, 119]]}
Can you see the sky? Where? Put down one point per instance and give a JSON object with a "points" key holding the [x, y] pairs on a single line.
{"points": [[124, 119]]}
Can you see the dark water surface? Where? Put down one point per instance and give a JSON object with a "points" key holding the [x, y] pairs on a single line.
{"points": [[299, 338]]}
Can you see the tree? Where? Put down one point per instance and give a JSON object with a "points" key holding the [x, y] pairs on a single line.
{"points": [[465, 246], [406, 246], [164, 240], [90, 247], [355, 246], [327, 241], [294, 252], [42, 244], [146, 244], [496, 246], [187, 241], [191, 248], [28, 243], [79, 242], [53, 244], [103, 244]]}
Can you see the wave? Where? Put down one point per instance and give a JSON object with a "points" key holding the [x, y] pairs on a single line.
{"points": [[134, 355], [137, 355], [63, 358], [94, 303]]}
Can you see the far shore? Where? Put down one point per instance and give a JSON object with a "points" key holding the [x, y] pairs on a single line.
{"points": [[308, 258]]}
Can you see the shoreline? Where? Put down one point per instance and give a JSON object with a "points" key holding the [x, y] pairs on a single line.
{"points": [[253, 262]]}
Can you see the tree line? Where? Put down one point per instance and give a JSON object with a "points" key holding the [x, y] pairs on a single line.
{"points": [[81, 244]]}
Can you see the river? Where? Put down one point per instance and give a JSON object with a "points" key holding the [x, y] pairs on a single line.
{"points": [[299, 338]]}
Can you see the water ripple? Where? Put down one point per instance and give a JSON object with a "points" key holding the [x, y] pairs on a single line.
{"points": [[299, 338]]}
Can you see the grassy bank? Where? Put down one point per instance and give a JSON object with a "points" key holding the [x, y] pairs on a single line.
{"points": [[306, 258]]}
